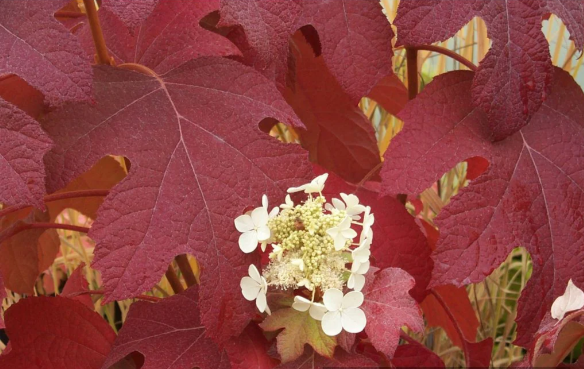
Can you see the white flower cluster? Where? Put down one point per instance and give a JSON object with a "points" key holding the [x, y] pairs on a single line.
{"points": [[313, 248]]}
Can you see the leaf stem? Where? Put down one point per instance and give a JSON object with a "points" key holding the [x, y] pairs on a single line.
{"points": [[173, 280], [56, 197], [442, 50], [22, 226], [185, 268], [98, 39], [412, 72]]}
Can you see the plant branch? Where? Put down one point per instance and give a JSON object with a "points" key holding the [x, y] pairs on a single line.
{"points": [[173, 280], [442, 50], [412, 72], [98, 39], [22, 226], [185, 268], [101, 292], [56, 197]]}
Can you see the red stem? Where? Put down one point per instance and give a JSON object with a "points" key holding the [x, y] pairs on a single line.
{"points": [[412, 71], [185, 268], [98, 39], [58, 196], [173, 280], [20, 227], [101, 292], [442, 50]]}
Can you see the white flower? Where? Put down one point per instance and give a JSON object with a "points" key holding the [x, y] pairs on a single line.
{"points": [[357, 279], [316, 185], [289, 203], [299, 263], [361, 254], [572, 299], [368, 220], [315, 309], [274, 211], [306, 283], [277, 252], [350, 205], [343, 312], [255, 287], [341, 233], [254, 229]]}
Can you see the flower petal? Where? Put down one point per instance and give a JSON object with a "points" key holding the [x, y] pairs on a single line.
{"points": [[263, 233], [572, 299], [261, 302], [265, 201], [249, 288], [248, 241], [274, 212], [301, 304], [359, 282], [363, 267], [254, 274], [259, 216], [243, 223], [297, 189], [331, 323], [340, 242], [351, 280], [349, 233], [353, 320], [338, 204], [317, 311], [333, 299], [352, 299]]}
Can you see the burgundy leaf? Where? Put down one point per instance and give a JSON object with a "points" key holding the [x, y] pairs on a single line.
{"points": [[339, 136], [2, 297], [169, 37], [398, 241], [198, 160], [515, 77], [168, 333], [22, 147], [355, 37], [250, 350], [390, 93], [131, 12], [36, 47], [415, 355], [388, 306], [341, 359], [76, 284], [441, 129], [55, 332], [531, 196]]}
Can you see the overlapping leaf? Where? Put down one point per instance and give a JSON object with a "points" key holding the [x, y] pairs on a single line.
{"points": [[354, 37], [36, 47], [250, 350], [388, 306], [169, 37], [299, 329], [22, 147], [131, 12], [75, 286], [339, 136], [198, 160], [171, 326], [55, 332], [514, 79], [415, 355], [341, 359]]}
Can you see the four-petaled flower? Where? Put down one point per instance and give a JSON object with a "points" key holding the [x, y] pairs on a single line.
{"points": [[350, 205], [357, 279], [368, 220], [254, 229], [289, 203], [255, 287], [315, 186], [572, 299], [315, 309], [343, 312], [341, 233]]}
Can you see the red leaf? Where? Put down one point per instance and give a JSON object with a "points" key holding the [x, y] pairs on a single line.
{"points": [[460, 323], [398, 240], [388, 307], [169, 37], [415, 355], [198, 160], [390, 93], [171, 326], [22, 148], [311, 360], [514, 78], [131, 12], [25, 255], [250, 350], [55, 332], [354, 37], [531, 196], [441, 129], [36, 47], [2, 297], [16, 91], [76, 284], [339, 136]]}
